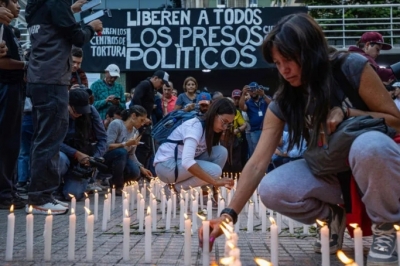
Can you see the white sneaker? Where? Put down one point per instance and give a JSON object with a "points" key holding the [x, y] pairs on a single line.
{"points": [[55, 208], [92, 187], [65, 204]]}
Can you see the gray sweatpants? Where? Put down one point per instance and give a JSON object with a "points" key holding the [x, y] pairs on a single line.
{"points": [[374, 158], [212, 164]]}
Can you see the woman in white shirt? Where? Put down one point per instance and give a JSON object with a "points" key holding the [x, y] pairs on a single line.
{"points": [[200, 161]]}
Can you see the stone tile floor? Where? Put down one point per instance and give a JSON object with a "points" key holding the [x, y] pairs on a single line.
{"points": [[167, 247]]}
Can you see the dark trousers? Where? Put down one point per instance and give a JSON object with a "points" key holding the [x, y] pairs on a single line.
{"points": [[50, 125], [24, 168], [10, 136], [145, 150]]}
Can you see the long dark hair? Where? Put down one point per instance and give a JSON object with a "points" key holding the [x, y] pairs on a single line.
{"points": [[133, 109], [218, 107], [298, 37]]}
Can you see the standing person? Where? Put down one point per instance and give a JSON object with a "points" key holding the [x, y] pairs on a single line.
{"points": [[311, 97], [78, 76], [144, 96], [168, 100], [108, 91], [244, 129], [255, 108], [199, 159], [187, 99], [11, 85], [53, 30]]}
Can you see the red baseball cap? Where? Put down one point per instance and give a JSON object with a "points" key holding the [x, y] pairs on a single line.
{"points": [[375, 37], [236, 93]]}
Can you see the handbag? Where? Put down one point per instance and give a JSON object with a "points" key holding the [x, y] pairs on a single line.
{"points": [[335, 159]]}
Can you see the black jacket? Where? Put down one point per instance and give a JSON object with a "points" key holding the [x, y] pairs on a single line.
{"points": [[144, 96], [53, 30]]}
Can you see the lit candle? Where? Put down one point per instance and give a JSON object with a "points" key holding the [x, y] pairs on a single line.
{"points": [[113, 198], [291, 226], [29, 234], [344, 259], [221, 205], [163, 200], [71, 235], [174, 207], [186, 200], [126, 228], [274, 241], [48, 230], [182, 216], [87, 205], [306, 229], [141, 214], [206, 241], [250, 217], [200, 191], [147, 237], [105, 213], [138, 197], [263, 213], [279, 222], [168, 221], [358, 244], [324, 243], [125, 203], [73, 201], [262, 262], [397, 238], [89, 235], [188, 241], [195, 209], [109, 196], [10, 234], [154, 213], [96, 205], [209, 209]]}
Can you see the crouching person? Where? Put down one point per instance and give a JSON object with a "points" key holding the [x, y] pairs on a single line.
{"points": [[122, 139], [86, 138]]}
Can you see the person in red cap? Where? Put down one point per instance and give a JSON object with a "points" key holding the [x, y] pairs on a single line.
{"points": [[370, 45]]}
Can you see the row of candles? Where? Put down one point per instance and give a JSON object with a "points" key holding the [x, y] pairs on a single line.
{"points": [[150, 220]]}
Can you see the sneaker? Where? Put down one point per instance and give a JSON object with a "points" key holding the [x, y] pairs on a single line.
{"points": [[383, 247], [55, 207], [65, 204], [91, 187], [336, 224], [16, 200], [22, 187]]}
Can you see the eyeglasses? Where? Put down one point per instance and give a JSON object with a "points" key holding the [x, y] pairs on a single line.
{"points": [[224, 123]]}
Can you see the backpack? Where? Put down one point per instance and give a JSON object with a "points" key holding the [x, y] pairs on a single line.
{"points": [[163, 129]]}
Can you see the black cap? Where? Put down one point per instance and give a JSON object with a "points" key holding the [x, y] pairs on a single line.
{"points": [[79, 99], [162, 75]]}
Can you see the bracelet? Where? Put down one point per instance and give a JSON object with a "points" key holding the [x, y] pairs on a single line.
{"points": [[345, 112], [231, 213]]}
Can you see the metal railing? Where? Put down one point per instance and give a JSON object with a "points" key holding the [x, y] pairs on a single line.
{"points": [[343, 25]]}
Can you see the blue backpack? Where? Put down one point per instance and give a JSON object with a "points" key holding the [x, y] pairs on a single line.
{"points": [[163, 129]]}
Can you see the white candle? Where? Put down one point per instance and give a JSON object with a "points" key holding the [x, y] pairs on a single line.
{"points": [[96, 205], [48, 230], [274, 241], [168, 221], [154, 214], [398, 238], [201, 198], [174, 207], [105, 213], [126, 228], [10, 234], [188, 242], [195, 209], [113, 198], [221, 206], [279, 222], [109, 197], [89, 236], [186, 200], [263, 213], [138, 198], [182, 216], [141, 214], [291, 226], [163, 200], [73, 201], [250, 217], [87, 205], [71, 235], [125, 205], [358, 245], [147, 237], [209, 209], [206, 243], [29, 235], [324, 244], [306, 229], [133, 197]]}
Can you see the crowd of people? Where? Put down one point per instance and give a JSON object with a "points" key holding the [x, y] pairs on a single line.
{"points": [[65, 137]]}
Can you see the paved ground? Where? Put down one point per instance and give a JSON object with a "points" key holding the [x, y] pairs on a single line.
{"points": [[167, 247]]}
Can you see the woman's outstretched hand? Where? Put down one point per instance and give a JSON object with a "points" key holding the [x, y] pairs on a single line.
{"points": [[215, 231], [227, 182]]}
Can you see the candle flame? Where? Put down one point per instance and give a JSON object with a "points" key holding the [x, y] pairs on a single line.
{"points": [[12, 208], [30, 209], [71, 196], [213, 263], [227, 225], [396, 227], [86, 195], [149, 189], [354, 225], [148, 210], [49, 212], [262, 262], [272, 220], [203, 218], [72, 211], [321, 223], [95, 191], [105, 196], [185, 215], [343, 258], [226, 232], [87, 210], [231, 245], [126, 213], [227, 260], [108, 190], [113, 186]]}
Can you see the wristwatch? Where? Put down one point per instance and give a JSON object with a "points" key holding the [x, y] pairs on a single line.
{"points": [[231, 213]]}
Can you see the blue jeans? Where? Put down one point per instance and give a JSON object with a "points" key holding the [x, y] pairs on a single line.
{"points": [[121, 167], [72, 185], [24, 168], [50, 124], [254, 137], [10, 134]]}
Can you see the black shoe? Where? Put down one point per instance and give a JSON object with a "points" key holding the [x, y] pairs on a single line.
{"points": [[22, 187], [383, 247], [337, 224], [16, 200]]}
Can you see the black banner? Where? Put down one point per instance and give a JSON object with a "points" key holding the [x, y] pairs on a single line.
{"points": [[185, 39]]}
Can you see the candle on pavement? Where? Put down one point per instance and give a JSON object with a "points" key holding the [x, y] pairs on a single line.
{"points": [[105, 213], [48, 230], [324, 232], [147, 237], [126, 228], [71, 235], [73, 201], [96, 205], [89, 235], [10, 234], [274, 241], [206, 240], [358, 244], [113, 198], [29, 234], [188, 241]]}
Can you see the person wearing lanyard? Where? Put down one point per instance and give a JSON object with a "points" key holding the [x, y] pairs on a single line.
{"points": [[256, 108]]}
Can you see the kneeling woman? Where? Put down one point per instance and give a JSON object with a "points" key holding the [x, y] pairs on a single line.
{"points": [[200, 161], [122, 140]]}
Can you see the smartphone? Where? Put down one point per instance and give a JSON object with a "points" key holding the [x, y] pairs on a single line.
{"points": [[90, 4], [117, 98], [93, 16]]}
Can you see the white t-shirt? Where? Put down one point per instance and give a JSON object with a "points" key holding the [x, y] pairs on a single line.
{"points": [[397, 102], [191, 131]]}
